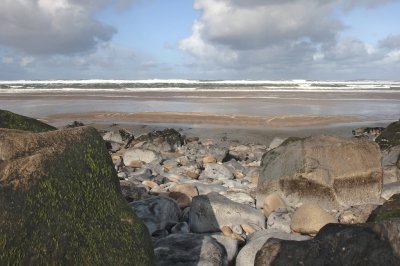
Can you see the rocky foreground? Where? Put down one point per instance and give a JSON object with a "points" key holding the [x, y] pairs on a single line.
{"points": [[322, 200]]}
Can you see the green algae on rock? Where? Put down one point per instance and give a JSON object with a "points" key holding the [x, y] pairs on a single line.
{"points": [[61, 203], [14, 121]]}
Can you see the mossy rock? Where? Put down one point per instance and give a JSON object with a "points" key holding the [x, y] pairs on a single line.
{"points": [[390, 137], [14, 121], [61, 203], [389, 210]]}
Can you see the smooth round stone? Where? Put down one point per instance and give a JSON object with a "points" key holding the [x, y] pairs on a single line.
{"points": [[310, 218]]}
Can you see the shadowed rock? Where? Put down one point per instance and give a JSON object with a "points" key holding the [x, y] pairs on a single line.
{"points": [[335, 244]]}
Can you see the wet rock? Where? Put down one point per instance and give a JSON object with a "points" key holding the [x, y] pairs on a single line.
{"points": [[189, 249], [256, 241], [157, 212], [336, 172], [310, 218], [390, 137], [335, 244], [208, 213]]}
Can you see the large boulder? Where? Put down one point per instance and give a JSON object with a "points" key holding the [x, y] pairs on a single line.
{"points": [[14, 121], [336, 244], [390, 137], [208, 213], [60, 201], [333, 171]]}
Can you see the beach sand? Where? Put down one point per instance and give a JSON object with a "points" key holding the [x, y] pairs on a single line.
{"points": [[228, 128]]}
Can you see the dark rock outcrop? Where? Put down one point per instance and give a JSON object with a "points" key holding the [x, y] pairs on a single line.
{"points": [[14, 121], [335, 244], [390, 137], [61, 202]]}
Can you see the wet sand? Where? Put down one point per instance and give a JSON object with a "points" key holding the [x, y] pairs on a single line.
{"points": [[204, 118], [223, 128], [250, 116]]}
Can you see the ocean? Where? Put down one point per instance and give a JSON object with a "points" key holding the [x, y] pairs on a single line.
{"points": [[370, 100]]}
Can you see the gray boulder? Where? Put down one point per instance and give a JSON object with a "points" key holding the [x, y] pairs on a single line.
{"points": [[334, 171], [210, 212], [188, 250], [157, 212]]}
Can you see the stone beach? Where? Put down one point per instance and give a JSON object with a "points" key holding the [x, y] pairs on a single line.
{"points": [[320, 200]]}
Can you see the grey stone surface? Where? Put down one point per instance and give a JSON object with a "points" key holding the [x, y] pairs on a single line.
{"points": [[190, 250], [157, 212], [334, 171], [209, 213]]}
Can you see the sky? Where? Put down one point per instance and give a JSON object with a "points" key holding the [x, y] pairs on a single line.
{"points": [[200, 39]]}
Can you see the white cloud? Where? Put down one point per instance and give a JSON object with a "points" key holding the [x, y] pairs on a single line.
{"points": [[26, 61], [53, 26], [7, 60], [272, 36]]}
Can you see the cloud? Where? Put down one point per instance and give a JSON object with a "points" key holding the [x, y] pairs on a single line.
{"points": [[293, 36], [54, 26], [391, 42]]}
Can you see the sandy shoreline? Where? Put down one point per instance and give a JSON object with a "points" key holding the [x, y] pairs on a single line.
{"points": [[224, 128], [205, 118]]}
